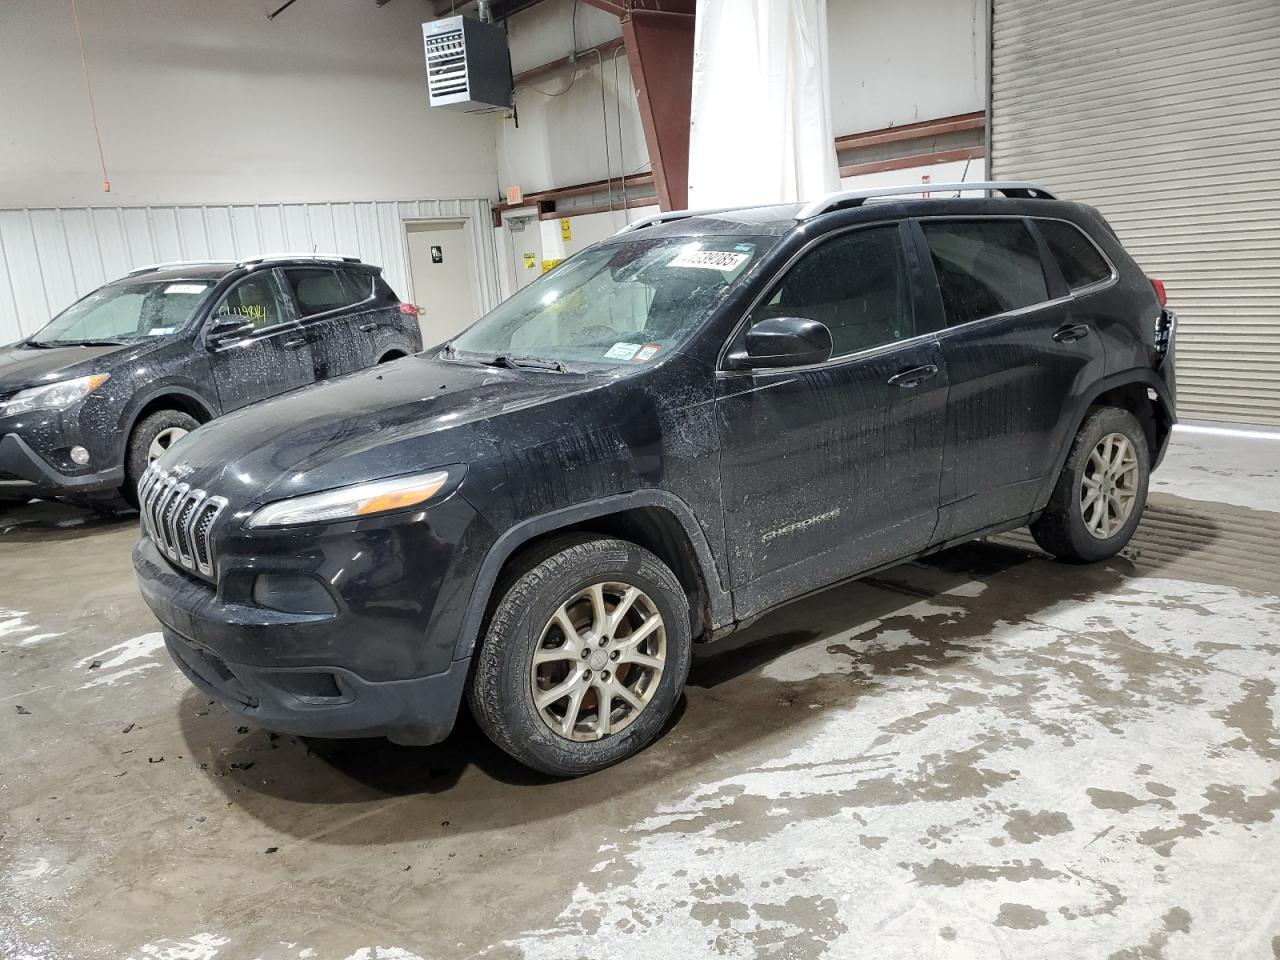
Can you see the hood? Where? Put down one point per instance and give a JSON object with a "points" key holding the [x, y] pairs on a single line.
{"points": [[414, 414], [30, 366]]}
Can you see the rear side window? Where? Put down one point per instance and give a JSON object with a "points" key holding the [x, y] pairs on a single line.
{"points": [[1080, 261], [359, 285], [856, 284], [317, 291], [985, 267], [382, 290]]}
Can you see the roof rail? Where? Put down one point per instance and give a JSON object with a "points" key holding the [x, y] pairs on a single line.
{"points": [[175, 263], [654, 219], [319, 257], [855, 198]]}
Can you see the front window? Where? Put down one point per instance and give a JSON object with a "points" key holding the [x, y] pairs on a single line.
{"points": [[127, 312], [619, 304]]}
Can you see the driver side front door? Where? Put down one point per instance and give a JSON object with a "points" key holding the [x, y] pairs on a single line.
{"points": [[833, 469], [274, 357]]}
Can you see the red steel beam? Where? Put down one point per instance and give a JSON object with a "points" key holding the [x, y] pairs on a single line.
{"points": [[660, 54]]}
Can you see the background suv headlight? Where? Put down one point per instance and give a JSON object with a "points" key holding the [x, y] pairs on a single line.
{"points": [[53, 396], [349, 503]]}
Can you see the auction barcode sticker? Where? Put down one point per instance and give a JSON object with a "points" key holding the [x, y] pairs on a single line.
{"points": [[710, 259]]}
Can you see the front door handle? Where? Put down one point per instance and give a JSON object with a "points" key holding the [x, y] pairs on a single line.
{"points": [[367, 327], [914, 377], [1071, 333], [295, 344]]}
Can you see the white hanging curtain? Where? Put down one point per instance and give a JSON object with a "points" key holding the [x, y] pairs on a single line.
{"points": [[761, 112]]}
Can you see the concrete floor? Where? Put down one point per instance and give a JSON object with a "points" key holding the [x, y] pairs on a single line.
{"points": [[987, 754]]}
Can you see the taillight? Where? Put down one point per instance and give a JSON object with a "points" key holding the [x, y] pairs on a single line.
{"points": [[1160, 294], [411, 309]]}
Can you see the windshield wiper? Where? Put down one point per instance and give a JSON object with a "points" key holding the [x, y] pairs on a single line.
{"points": [[92, 343], [524, 363]]}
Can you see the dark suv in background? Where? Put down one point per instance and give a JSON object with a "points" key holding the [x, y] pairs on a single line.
{"points": [[112, 381], [671, 433]]}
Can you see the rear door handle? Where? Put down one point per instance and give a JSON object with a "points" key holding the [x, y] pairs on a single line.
{"points": [[295, 344], [367, 327], [1071, 333], [914, 377]]}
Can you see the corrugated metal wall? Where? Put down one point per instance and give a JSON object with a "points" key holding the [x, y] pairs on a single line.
{"points": [[1166, 116], [50, 257]]}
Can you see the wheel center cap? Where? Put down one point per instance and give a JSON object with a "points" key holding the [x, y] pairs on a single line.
{"points": [[598, 659]]}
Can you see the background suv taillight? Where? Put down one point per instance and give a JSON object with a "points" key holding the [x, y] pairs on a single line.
{"points": [[1160, 294], [411, 309]]}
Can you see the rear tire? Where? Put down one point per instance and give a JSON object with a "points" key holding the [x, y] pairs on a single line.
{"points": [[151, 437], [609, 624], [1102, 490]]}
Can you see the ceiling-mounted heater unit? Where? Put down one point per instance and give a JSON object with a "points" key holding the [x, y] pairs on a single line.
{"points": [[468, 65]]}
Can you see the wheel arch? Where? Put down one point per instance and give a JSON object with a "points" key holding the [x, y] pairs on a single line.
{"points": [[1130, 390], [167, 397], [657, 520]]}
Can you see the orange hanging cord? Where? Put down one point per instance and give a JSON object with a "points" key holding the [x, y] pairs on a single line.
{"points": [[93, 110]]}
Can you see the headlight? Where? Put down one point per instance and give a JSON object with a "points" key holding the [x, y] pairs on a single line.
{"points": [[53, 396], [350, 503]]}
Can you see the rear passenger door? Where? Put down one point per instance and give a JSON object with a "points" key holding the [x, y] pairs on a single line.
{"points": [[330, 309], [1017, 360]]}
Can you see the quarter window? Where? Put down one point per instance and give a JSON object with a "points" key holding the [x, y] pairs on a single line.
{"points": [[856, 284], [256, 299], [985, 267], [359, 285], [1081, 263]]}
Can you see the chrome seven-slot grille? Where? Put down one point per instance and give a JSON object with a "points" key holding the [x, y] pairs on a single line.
{"points": [[178, 519]]}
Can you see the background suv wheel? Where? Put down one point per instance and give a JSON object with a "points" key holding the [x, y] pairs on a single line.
{"points": [[1102, 491], [151, 437], [585, 656]]}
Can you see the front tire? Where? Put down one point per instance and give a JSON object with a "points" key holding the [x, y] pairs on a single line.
{"points": [[584, 659], [1102, 490], [150, 439]]}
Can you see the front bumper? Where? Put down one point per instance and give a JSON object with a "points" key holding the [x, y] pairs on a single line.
{"points": [[378, 662], [25, 474]]}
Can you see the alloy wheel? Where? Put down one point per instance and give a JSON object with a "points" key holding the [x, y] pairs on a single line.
{"points": [[598, 661], [1109, 487], [163, 441]]}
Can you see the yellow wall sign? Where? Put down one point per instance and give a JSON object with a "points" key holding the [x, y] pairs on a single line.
{"points": [[530, 261], [550, 264], [566, 232]]}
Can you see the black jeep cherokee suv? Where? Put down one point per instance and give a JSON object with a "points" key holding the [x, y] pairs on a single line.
{"points": [[102, 390], [677, 429]]}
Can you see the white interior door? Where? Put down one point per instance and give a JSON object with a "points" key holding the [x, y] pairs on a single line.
{"points": [[442, 274]]}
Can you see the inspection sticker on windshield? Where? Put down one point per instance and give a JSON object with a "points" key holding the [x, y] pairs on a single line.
{"points": [[647, 352], [622, 351], [725, 260], [186, 288], [160, 331]]}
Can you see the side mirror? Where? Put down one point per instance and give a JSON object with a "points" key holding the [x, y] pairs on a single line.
{"points": [[226, 329], [783, 342]]}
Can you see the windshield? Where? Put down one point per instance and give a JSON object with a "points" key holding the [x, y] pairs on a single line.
{"points": [[124, 312], [622, 303]]}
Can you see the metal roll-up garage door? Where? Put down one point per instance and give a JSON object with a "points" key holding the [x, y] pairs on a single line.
{"points": [[1166, 117]]}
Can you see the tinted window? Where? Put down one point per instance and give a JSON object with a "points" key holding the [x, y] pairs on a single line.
{"points": [[317, 291], [359, 285], [1079, 259], [256, 299], [985, 267], [383, 291], [856, 284]]}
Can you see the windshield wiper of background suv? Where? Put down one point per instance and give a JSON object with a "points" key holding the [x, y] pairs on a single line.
{"points": [[46, 344]]}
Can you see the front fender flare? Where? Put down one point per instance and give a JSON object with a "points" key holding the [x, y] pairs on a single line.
{"points": [[718, 598]]}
